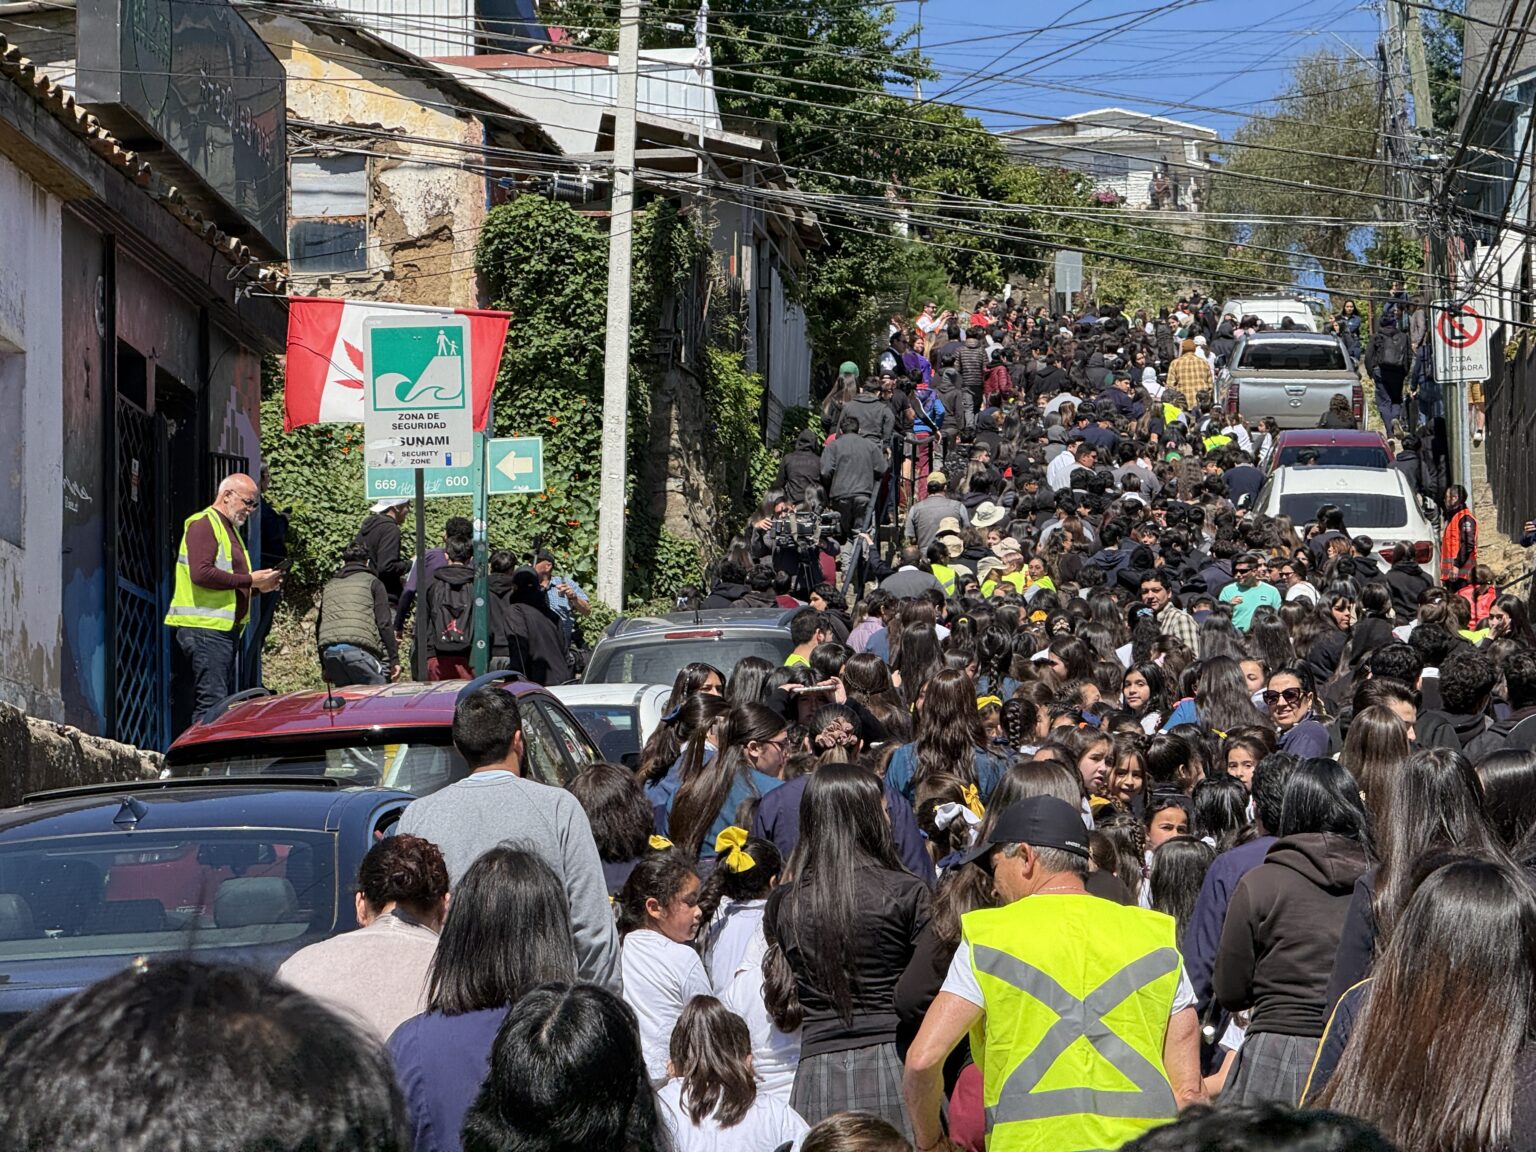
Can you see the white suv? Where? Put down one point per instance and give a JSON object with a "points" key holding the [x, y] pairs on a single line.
{"points": [[1376, 502]]}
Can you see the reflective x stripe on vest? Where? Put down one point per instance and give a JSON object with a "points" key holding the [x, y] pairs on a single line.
{"points": [[1077, 1019], [192, 605]]}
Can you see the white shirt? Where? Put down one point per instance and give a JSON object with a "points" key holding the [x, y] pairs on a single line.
{"points": [[660, 977], [768, 1124], [1058, 473], [1302, 591], [730, 934], [775, 1054], [962, 982]]}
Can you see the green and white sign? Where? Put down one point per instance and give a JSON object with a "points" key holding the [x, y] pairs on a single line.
{"points": [[416, 382], [515, 465]]}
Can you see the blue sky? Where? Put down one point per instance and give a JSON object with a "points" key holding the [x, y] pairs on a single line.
{"points": [[1155, 56]]}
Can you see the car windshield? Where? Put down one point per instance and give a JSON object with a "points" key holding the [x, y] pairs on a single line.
{"points": [[614, 727], [650, 660], [412, 767], [1336, 455], [1294, 356], [1367, 509], [129, 892]]}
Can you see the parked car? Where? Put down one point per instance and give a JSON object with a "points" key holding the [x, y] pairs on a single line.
{"points": [[1376, 502], [651, 649], [1272, 308], [392, 735], [1292, 376], [619, 717], [240, 871], [1334, 448]]}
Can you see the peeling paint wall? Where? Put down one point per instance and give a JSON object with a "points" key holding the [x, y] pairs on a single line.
{"points": [[424, 215], [31, 346]]}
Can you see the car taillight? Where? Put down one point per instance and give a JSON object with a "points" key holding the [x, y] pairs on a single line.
{"points": [[1232, 408], [1357, 402], [1423, 551], [703, 634]]}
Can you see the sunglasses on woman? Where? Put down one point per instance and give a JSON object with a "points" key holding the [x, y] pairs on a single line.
{"points": [[1291, 696]]}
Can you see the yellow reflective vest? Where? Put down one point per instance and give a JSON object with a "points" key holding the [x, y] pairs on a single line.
{"points": [[192, 605], [945, 575], [1078, 992]]}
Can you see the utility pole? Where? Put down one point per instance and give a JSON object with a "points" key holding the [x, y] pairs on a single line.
{"points": [[700, 68], [917, 85], [621, 228]]}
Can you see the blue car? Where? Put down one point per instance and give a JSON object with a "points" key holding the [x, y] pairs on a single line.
{"points": [[235, 870]]}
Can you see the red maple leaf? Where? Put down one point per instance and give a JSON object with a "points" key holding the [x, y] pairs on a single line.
{"points": [[345, 383], [354, 354]]}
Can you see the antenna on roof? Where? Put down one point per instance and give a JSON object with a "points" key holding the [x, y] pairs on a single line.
{"points": [[332, 701]]}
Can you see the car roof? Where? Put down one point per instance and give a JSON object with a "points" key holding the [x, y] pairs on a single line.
{"points": [[759, 619], [258, 802], [1275, 335], [362, 707], [1330, 478], [1316, 436], [631, 695]]}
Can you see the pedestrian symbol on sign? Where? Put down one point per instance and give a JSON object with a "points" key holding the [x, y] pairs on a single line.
{"points": [[1461, 329]]}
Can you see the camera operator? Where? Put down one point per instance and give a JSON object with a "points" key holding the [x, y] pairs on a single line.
{"points": [[801, 539]]}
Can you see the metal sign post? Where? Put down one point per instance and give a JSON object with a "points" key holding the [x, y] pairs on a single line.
{"points": [[480, 650]]}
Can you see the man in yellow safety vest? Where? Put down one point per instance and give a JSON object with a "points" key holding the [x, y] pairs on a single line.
{"points": [[1082, 1021], [213, 590]]}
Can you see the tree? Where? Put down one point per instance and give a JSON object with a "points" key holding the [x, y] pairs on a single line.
{"points": [[1312, 153], [1444, 32]]}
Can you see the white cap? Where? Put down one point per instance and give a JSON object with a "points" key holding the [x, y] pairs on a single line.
{"points": [[387, 504]]}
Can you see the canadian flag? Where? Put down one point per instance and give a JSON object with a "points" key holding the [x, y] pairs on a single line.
{"points": [[325, 357]]}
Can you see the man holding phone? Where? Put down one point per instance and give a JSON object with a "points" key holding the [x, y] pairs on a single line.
{"points": [[214, 584], [566, 598]]}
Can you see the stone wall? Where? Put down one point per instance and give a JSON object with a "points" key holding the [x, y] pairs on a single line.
{"points": [[36, 755], [674, 479]]}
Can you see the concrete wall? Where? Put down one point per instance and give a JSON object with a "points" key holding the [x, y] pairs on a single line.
{"points": [[31, 445], [423, 214], [39, 755]]}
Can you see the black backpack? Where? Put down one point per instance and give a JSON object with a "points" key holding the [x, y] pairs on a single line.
{"points": [[451, 624]]}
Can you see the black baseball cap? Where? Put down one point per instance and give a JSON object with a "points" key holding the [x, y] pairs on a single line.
{"points": [[1040, 821]]}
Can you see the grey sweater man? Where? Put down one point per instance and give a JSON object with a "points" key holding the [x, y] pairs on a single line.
{"points": [[489, 808]]}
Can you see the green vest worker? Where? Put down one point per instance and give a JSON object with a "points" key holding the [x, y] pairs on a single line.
{"points": [[1082, 1021], [214, 583]]}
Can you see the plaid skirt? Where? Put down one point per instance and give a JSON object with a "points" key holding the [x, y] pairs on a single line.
{"points": [[858, 1080], [1270, 1067]]}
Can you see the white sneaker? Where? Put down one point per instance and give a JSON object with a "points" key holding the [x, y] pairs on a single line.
{"points": [[1477, 438]]}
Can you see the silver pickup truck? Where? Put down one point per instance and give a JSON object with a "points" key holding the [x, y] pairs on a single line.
{"points": [[1291, 376]]}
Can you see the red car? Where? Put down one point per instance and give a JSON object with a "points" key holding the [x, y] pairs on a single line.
{"points": [[1335, 448], [391, 735]]}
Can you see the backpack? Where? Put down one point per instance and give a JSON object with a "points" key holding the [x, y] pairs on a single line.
{"points": [[1390, 350], [450, 625]]}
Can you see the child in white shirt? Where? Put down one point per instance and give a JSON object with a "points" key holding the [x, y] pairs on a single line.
{"points": [[658, 919], [712, 1102]]}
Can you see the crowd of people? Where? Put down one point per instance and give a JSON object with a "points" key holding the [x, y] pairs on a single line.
{"points": [[1113, 814]]}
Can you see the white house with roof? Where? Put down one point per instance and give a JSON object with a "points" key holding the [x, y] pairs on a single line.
{"points": [[1146, 161]]}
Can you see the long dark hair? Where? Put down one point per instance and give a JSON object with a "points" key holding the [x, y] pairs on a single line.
{"points": [[711, 1053], [622, 819], [1178, 869], [1520, 620], [705, 787], [949, 729], [561, 1044], [748, 681], [919, 658], [1221, 810], [751, 882], [843, 830], [1222, 699], [508, 931], [1321, 796], [1433, 800], [1157, 689], [1376, 745], [868, 680], [1431, 1060], [664, 744], [1509, 795]]}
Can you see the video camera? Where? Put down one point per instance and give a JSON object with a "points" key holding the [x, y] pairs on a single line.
{"points": [[804, 530]]}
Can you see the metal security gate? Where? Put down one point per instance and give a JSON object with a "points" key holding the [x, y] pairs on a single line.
{"points": [[141, 700]]}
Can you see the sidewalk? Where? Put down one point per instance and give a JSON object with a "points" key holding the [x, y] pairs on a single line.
{"points": [[1508, 560]]}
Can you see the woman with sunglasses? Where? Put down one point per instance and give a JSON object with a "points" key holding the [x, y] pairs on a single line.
{"points": [[1291, 699]]}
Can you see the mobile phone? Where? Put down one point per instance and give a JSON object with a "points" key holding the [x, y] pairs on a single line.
{"points": [[284, 564]]}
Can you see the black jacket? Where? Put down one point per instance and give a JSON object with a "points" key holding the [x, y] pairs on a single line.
{"points": [[1407, 581], [798, 471], [381, 536], [726, 596], [528, 637], [876, 420], [1282, 931]]}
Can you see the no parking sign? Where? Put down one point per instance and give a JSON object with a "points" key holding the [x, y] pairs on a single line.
{"points": [[1461, 340]]}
